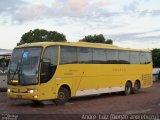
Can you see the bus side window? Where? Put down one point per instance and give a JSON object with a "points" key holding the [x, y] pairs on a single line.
{"points": [[124, 57], [68, 55], [142, 57], [84, 55], [112, 56], [49, 63], [99, 56], [134, 57], [148, 57]]}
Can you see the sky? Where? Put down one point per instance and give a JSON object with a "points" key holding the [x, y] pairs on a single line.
{"points": [[129, 23]]}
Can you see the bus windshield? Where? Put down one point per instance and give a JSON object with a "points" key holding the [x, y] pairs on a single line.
{"points": [[23, 68]]}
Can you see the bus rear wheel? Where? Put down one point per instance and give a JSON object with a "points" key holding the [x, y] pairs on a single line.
{"points": [[137, 87], [128, 88], [63, 96]]}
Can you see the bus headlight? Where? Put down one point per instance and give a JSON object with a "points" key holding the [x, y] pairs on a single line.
{"points": [[8, 90], [32, 91]]}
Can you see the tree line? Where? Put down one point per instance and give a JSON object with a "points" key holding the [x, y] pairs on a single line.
{"points": [[156, 57], [41, 35]]}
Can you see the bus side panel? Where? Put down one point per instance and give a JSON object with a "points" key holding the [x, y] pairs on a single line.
{"points": [[82, 77]]}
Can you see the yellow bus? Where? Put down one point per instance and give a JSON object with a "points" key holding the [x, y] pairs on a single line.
{"points": [[60, 70]]}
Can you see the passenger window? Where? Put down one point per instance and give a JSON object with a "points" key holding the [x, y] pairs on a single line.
{"points": [[49, 63], [134, 57], [99, 56], [112, 56], [124, 57], [148, 57], [68, 55], [142, 57], [51, 53], [84, 55]]}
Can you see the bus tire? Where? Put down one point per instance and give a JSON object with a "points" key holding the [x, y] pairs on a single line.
{"points": [[136, 87], [63, 96], [128, 88], [36, 102]]}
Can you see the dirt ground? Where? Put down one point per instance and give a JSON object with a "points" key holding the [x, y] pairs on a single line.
{"points": [[147, 101]]}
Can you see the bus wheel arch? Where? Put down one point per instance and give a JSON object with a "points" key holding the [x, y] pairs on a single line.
{"points": [[136, 87], [67, 87], [64, 93], [128, 87]]}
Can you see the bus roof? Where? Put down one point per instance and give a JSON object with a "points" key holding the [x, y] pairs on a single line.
{"points": [[80, 44]]}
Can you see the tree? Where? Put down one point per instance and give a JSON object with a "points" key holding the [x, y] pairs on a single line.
{"points": [[96, 39], [156, 57], [109, 41], [41, 35]]}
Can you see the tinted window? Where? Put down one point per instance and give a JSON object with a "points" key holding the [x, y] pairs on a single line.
{"points": [[51, 53], [84, 55], [142, 57], [49, 64], [99, 56], [68, 55], [134, 57], [112, 56], [148, 57], [124, 57]]}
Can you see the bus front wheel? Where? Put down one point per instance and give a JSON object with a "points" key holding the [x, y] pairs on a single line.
{"points": [[128, 88], [63, 96], [36, 102]]}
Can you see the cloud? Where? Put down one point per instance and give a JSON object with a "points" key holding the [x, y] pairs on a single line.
{"points": [[8, 6], [155, 12], [139, 40], [70, 7], [80, 6], [137, 36], [133, 6], [81, 11], [20, 11], [30, 12]]}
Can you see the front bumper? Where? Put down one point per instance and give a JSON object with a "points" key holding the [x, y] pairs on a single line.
{"points": [[27, 96]]}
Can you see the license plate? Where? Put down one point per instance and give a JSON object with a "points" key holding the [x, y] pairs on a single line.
{"points": [[19, 96]]}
